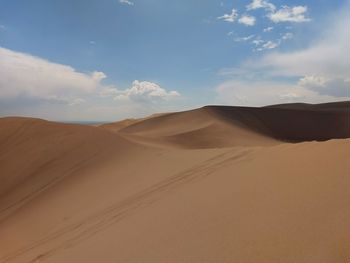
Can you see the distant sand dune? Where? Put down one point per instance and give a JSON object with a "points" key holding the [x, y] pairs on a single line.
{"points": [[216, 184], [220, 126]]}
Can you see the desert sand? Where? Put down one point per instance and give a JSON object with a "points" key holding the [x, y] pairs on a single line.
{"points": [[212, 185]]}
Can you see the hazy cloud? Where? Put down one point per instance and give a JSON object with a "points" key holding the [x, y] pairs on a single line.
{"points": [[268, 29], [326, 86], [256, 4], [326, 56], [261, 45], [244, 39], [76, 102], [321, 71], [258, 42], [262, 93], [126, 2], [230, 17], [287, 36], [269, 45], [247, 20], [295, 14]]}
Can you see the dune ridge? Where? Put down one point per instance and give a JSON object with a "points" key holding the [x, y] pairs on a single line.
{"points": [[225, 126]]}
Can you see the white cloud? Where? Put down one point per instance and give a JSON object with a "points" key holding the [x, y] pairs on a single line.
{"points": [[290, 14], [27, 76], [2, 27], [126, 2], [313, 81], [327, 56], [98, 76], [230, 17], [268, 29], [23, 75], [257, 42], [247, 20], [256, 4], [269, 45], [321, 70], [262, 45], [32, 86], [287, 36], [244, 39], [144, 91]]}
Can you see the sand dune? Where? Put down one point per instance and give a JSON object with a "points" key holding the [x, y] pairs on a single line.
{"points": [[332, 106], [293, 125], [117, 126], [216, 184], [220, 126], [201, 128], [35, 154]]}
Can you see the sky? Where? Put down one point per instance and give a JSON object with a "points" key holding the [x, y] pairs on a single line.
{"points": [[105, 60]]}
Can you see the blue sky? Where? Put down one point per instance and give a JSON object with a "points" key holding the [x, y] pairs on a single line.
{"points": [[111, 59]]}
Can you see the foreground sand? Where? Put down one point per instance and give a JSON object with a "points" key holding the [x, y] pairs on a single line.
{"points": [[191, 187]]}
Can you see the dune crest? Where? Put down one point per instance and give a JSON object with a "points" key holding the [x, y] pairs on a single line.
{"points": [[223, 126]]}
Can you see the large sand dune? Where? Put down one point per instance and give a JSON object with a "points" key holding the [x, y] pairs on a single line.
{"points": [[219, 126], [216, 184], [35, 154]]}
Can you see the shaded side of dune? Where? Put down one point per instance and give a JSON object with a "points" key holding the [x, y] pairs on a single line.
{"points": [[317, 123], [343, 106]]}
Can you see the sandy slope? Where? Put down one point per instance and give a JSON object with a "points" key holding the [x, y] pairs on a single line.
{"points": [[196, 129], [209, 185], [36, 154]]}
